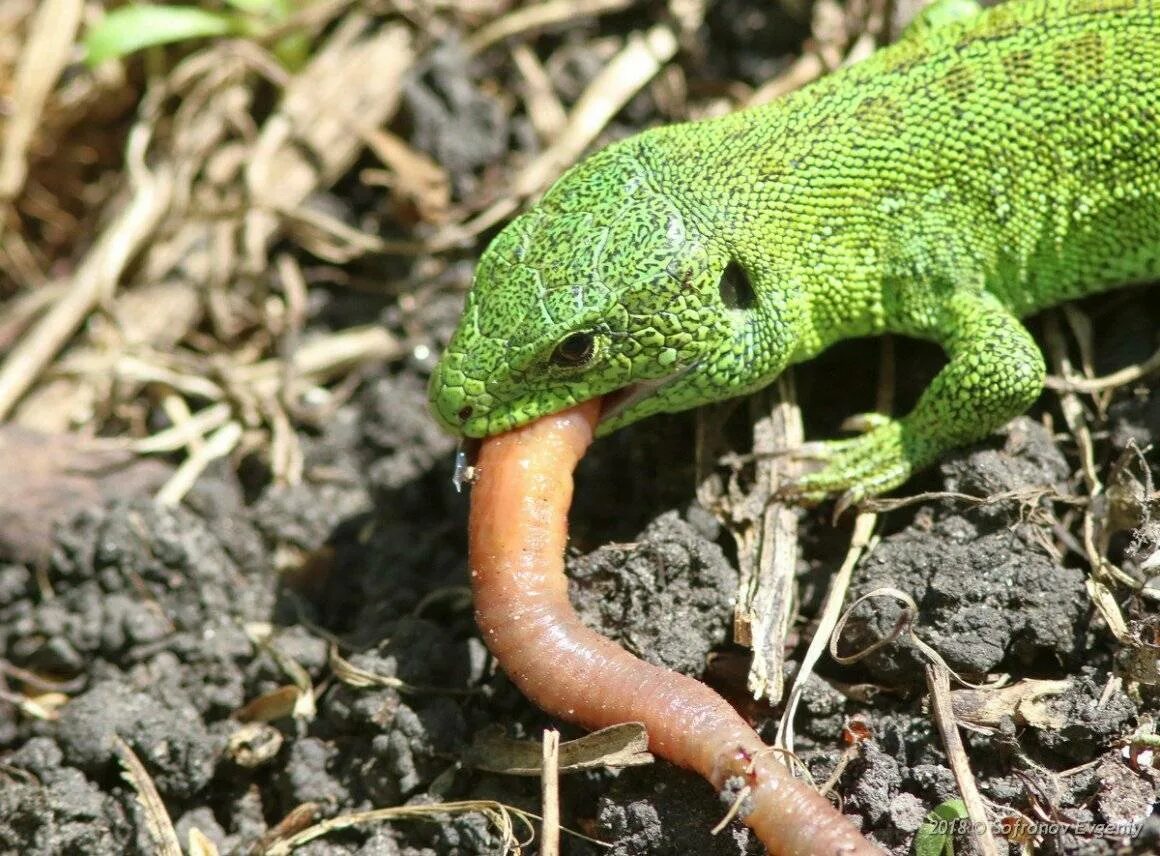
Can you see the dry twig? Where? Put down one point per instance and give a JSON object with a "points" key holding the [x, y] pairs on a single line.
{"points": [[938, 682], [96, 278], [861, 542], [550, 794], [641, 58], [51, 37], [157, 820]]}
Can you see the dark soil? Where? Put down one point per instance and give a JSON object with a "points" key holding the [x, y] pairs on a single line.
{"points": [[165, 626], [150, 607]]}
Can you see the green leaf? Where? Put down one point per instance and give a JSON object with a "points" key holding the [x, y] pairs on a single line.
{"points": [[292, 50], [276, 8], [132, 28], [936, 836]]}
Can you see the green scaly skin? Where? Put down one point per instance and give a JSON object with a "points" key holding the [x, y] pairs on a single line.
{"points": [[986, 166]]}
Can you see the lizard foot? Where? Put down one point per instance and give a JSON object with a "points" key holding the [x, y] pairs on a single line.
{"points": [[854, 468]]}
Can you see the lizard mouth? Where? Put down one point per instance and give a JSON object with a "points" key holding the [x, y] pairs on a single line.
{"points": [[618, 401], [612, 405]]}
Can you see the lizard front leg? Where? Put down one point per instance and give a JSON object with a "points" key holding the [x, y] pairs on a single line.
{"points": [[995, 372]]}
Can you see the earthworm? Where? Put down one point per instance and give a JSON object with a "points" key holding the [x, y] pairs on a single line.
{"points": [[518, 530]]}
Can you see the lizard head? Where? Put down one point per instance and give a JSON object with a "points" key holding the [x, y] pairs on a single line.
{"points": [[604, 288]]}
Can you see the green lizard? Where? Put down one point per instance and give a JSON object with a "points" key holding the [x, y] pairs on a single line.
{"points": [[987, 165]]}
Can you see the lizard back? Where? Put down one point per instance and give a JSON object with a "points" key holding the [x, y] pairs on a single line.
{"points": [[1018, 151]]}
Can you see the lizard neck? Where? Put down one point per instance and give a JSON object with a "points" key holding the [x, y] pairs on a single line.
{"points": [[810, 243]]}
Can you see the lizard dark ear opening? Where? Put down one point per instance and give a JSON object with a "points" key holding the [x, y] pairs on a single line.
{"points": [[575, 349], [736, 290]]}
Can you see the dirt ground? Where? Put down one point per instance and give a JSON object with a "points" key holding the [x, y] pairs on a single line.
{"points": [[233, 577]]}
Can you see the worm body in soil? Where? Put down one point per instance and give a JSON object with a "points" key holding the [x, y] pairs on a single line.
{"points": [[518, 532]]}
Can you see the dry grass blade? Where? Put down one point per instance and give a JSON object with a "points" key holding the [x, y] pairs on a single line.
{"points": [[905, 623], [157, 819], [1029, 496], [219, 444], [550, 794], [1122, 377], [206, 157], [317, 131], [353, 676], [45, 707], [500, 817], [1109, 609], [544, 109], [1070, 404], [642, 57], [1103, 573], [808, 68], [297, 819], [321, 359], [97, 277], [823, 54], [188, 432], [538, 16], [637, 63], [765, 601], [19, 312], [624, 745], [1065, 381], [152, 370], [269, 707], [44, 56], [200, 844], [938, 681], [938, 676], [861, 541], [296, 699], [148, 317], [414, 178]]}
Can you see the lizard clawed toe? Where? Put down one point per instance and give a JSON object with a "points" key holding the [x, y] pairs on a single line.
{"points": [[851, 469]]}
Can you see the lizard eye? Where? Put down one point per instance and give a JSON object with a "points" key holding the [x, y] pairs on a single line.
{"points": [[735, 288], [575, 349]]}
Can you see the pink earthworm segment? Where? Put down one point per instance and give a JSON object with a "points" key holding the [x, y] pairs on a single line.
{"points": [[518, 531]]}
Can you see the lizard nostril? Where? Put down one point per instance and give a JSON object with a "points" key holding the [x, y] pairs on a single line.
{"points": [[465, 413]]}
